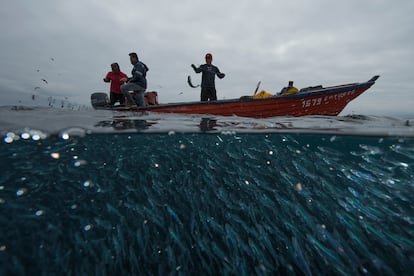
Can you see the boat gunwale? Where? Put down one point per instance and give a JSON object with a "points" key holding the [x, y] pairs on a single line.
{"points": [[322, 91]]}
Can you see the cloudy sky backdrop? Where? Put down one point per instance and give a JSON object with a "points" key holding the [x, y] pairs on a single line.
{"points": [[71, 44]]}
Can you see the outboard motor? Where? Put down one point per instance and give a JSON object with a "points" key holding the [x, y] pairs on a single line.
{"points": [[99, 100]]}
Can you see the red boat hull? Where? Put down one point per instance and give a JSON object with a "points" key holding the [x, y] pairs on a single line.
{"points": [[324, 101]]}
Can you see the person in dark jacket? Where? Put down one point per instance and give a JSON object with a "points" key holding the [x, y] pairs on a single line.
{"points": [[136, 83], [209, 72]]}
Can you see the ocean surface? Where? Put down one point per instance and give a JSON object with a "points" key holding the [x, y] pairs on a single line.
{"points": [[109, 193]]}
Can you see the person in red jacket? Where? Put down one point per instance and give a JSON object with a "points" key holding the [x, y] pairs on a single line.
{"points": [[115, 77]]}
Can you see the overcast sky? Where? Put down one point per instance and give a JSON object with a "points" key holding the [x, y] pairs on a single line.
{"points": [[71, 44]]}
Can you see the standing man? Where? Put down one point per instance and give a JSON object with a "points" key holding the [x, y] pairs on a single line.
{"points": [[136, 83], [115, 77], [208, 87]]}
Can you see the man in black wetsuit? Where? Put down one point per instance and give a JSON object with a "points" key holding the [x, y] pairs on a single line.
{"points": [[208, 87]]}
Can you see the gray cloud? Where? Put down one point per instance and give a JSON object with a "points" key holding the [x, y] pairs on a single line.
{"points": [[310, 42]]}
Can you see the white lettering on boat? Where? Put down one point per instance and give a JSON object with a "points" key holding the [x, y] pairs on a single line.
{"points": [[326, 99]]}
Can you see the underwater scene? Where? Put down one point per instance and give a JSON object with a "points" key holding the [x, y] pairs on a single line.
{"points": [[233, 202]]}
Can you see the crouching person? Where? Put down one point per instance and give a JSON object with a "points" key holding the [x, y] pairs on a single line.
{"points": [[288, 90], [136, 83]]}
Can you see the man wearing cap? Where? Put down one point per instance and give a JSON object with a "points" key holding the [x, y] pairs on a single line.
{"points": [[136, 83], [208, 87]]}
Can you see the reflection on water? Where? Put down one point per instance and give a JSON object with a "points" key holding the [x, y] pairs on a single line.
{"points": [[17, 119], [208, 124], [122, 124]]}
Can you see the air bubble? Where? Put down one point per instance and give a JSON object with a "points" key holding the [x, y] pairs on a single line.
{"points": [[21, 191], [55, 155], [87, 227], [87, 183], [40, 213]]}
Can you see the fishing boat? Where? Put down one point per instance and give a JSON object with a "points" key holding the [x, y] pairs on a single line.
{"points": [[315, 100]]}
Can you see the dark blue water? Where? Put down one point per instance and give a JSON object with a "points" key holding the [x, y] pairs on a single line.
{"points": [[240, 204]]}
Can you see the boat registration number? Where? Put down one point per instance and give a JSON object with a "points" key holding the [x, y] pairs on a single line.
{"points": [[326, 99]]}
